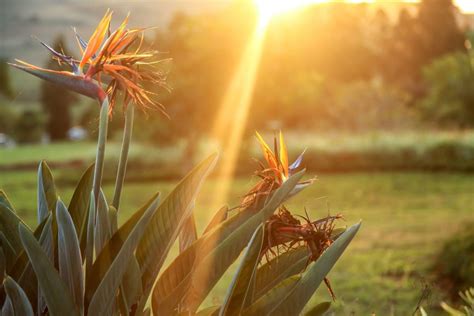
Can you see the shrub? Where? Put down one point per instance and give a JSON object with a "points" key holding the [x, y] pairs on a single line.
{"points": [[455, 262], [29, 127], [78, 261], [450, 98]]}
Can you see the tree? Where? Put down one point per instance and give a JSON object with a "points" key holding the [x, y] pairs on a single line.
{"points": [[450, 97], [419, 39], [56, 101], [5, 84]]}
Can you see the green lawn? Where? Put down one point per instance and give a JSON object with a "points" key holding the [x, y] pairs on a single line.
{"points": [[405, 218]]}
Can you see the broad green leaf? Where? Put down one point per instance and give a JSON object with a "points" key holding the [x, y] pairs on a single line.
{"points": [[89, 250], [167, 222], [104, 260], [10, 253], [69, 253], [5, 201], [103, 298], [7, 308], [79, 204], [54, 290], [241, 289], [212, 267], [209, 311], [296, 300], [46, 241], [113, 219], [9, 228], [219, 217], [102, 231], [131, 288], [22, 271], [319, 310], [3, 263], [175, 279], [188, 233], [278, 293], [47, 195], [191, 273], [290, 263], [20, 303]]}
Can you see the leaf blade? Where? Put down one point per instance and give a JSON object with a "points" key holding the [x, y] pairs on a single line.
{"points": [[54, 290]]}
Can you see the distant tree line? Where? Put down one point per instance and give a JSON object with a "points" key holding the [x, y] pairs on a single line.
{"points": [[339, 66], [327, 66]]}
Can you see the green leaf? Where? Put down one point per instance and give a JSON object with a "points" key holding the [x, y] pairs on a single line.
{"points": [[79, 204], [47, 242], [209, 311], [219, 217], [103, 298], [20, 303], [3, 269], [292, 262], [89, 250], [7, 308], [278, 293], [102, 231], [9, 252], [9, 228], [47, 195], [113, 219], [166, 223], [22, 271], [241, 288], [218, 249], [188, 233], [319, 310], [295, 300], [103, 261], [54, 290], [131, 288], [69, 255], [5, 201], [220, 257]]}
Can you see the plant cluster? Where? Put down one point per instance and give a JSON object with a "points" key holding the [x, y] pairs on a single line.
{"points": [[79, 261]]}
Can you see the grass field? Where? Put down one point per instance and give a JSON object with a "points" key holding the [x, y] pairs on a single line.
{"points": [[405, 217]]}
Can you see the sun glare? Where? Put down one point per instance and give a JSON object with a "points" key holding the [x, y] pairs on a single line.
{"points": [[269, 8]]}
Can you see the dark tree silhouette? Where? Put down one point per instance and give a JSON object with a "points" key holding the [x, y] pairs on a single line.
{"points": [[56, 101], [5, 83], [419, 39]]}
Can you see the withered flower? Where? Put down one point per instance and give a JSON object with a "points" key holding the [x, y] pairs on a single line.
{"points": [[284, 231], [111, 63], [276, 171]]}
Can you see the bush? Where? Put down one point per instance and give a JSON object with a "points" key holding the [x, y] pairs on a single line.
{"points": [[371, 105], [7, 119], [450, 97], [29, 128], [454, 264]]}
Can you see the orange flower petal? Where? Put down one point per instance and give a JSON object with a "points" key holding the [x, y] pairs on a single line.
{"points": [[96, 39]]}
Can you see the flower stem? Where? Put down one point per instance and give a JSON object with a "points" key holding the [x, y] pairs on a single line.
{"points": [[122, 167], [102, 139]]}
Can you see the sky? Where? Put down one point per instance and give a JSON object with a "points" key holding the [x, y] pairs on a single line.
{"points": [[465, 5]]}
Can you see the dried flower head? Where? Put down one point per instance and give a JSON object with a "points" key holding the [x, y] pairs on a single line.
{"points": [[284, 231], [275, 171], [111, 63]]}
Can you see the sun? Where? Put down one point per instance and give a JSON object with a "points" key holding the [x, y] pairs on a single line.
{"points": [[269, 8]]}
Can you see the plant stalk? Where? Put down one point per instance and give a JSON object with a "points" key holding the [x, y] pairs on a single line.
{"points": [[102, 139], [122, 167]]}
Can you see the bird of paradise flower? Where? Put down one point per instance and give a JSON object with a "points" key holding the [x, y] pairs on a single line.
{"points": [[111, 63], [276, 171]]}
